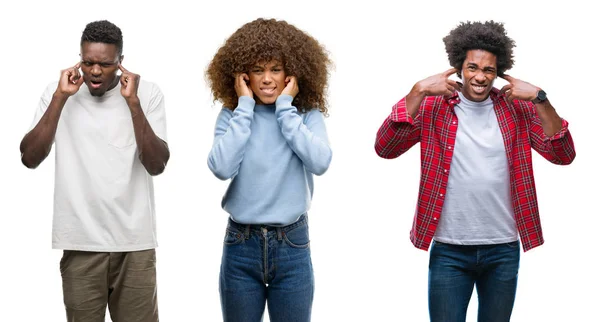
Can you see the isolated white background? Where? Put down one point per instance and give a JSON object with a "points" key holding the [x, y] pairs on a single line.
{"points": [[365, 267]]}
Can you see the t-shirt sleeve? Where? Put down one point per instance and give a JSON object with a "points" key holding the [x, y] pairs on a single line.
{"points": [[43, 104], [155, 114]]}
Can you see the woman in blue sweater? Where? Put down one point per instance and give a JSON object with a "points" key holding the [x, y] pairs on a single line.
{"points": [[270, 139]]}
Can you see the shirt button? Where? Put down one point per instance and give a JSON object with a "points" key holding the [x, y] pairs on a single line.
{"points": [[434, 218], [453, 122], [445, 170], [449, 147], [441, 194]]}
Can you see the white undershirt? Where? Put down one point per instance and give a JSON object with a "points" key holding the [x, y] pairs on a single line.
{"points": [[477, 208]]}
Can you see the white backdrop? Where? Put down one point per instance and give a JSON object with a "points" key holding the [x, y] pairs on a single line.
{"points": [[365, 267]]}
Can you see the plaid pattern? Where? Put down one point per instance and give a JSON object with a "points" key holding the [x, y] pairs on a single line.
{"points": [[435, 127]]}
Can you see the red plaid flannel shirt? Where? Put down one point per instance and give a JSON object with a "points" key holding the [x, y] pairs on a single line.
{"points": [[435, 127]]}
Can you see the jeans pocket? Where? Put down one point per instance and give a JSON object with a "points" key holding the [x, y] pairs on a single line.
{"points": [[514, 244], [297, 237], [232, 237]]}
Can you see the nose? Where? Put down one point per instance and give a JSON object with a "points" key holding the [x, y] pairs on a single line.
{"points": [[480, 75], [96, 70], [267, 78]]}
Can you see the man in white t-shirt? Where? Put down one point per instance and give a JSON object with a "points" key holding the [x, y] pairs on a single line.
{"points": [[110, 138]]}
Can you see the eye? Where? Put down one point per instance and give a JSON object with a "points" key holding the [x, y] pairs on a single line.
{"points": [[106, 65], [87, 63], [472, 68]]}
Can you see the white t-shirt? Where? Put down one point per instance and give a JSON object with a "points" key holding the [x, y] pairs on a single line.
{"points": [[103, 195]]}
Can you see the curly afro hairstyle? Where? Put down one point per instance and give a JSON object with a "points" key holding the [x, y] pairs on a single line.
{"points": [[489, 36], [264, 40], [104, 32]]}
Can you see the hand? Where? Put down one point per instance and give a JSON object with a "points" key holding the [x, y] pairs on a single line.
{"points": [[291, 86], [129, 83], [439, 84], [241, 87], [517, 89], [70, 80]]}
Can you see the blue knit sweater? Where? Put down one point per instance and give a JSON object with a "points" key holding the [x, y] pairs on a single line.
{"points": [[271, 153]]}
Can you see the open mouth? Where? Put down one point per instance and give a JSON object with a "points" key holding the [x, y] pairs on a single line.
{"points": [[268, 91], [95, 84], [479, 89]]}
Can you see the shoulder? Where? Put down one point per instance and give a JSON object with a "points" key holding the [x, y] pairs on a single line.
{"points": [[50, 89], [149, 88], [312, 115]]}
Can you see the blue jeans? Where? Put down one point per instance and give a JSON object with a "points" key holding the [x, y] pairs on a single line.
{"points": [[266, 264], [455, 269]]}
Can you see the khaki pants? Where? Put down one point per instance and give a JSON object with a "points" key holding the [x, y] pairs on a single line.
{"points": [[125, 281]]}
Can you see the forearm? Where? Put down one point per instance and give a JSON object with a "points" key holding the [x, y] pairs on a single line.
{"points": [[153, 152], [37, 144], [414, 99], [399, 131], [551, 122], [232, 132], [308, 141]]}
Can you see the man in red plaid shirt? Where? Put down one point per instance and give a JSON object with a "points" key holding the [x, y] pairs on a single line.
{"points": [[477, 193]]}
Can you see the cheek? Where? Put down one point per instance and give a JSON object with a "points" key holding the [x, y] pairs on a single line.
{"points": [[254, 85], [113, 72], [281, 83]]}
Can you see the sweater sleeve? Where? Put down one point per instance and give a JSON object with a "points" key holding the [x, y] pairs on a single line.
{"points": [[307, 138], [232, 132]]}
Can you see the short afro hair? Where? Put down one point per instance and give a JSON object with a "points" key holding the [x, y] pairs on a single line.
{"points": [[264, 40], [103, 31], [489, 36]]}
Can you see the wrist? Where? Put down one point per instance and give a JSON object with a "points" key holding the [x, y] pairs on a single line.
{"points": [[133, 101], [60, 96], [418, 91]]}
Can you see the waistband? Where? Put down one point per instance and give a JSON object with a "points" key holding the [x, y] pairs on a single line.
{"points": [[280, 230]]}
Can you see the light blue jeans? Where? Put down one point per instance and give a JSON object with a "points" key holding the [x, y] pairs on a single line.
{"points": [[266, 264], [455, 269]]}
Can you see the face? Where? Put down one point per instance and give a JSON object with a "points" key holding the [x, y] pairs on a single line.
{"points": [[478, 74], [99, 64], [267, 81]]}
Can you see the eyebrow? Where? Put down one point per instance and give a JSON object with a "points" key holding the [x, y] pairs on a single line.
{"points": [[264, 66], [87, 60], [474, 64]]}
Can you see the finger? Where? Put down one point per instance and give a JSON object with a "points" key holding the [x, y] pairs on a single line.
{"points": [[505, 88], [78, 65], [245, 77], [449, 72], [122, 69], [73, 75], [509, 96], [123, 80], [74, 78], [79, 81], [508, 78], [453, 84]]}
